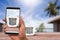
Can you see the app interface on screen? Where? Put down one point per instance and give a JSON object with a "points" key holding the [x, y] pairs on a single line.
{"points": [[12, 12]]}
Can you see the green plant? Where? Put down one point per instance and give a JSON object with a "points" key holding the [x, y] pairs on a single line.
{"points": [[52, 9]]}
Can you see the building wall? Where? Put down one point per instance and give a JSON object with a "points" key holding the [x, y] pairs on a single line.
{"points": [[55, 27], [58, 27]]}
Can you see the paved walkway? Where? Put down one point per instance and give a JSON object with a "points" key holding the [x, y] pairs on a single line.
{"points": [[37, 36], [45, 36]]}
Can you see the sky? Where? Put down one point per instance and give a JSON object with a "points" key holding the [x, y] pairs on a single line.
{"points": [[32, 11]]}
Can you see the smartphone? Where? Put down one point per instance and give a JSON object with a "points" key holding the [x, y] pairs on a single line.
{"points": [[12, 19]]}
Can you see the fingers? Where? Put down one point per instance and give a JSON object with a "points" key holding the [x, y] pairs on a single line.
{"points": [[22, 22], [4, 19], [22, 28], [4, 27], [22, 25]]}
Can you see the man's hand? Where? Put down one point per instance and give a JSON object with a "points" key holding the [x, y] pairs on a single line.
{"points": [[22, 31]]}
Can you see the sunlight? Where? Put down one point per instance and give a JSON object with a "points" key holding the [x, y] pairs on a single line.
{"points": [[30, 3]]}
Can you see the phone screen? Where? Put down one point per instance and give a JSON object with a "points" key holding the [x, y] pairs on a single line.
{"points": [[13, 12], [12, 16]]}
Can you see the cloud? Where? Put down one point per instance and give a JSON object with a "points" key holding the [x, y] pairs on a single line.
{"points": [[30, 3], [28, 14], [29, 6], [29, 20], [1, 13]]}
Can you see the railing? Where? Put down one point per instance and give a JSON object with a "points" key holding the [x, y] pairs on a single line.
{"points": [[45, 30]]}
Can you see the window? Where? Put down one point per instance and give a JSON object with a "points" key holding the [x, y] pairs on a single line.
{"points": [[29, 30], [48, 30], [0, 27], [45, 28]]}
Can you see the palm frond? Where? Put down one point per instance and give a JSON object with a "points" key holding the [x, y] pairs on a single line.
{"points": [[47, 9], [52, 9], [47, 13], [58, 7], [55, 3]]}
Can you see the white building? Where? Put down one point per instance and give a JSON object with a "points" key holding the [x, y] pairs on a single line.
{"points": [[29, 30]]}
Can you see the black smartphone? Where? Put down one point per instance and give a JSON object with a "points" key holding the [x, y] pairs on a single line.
{"points": [[12, 20]]}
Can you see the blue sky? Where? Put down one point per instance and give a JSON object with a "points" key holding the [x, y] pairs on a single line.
{"points": [[32, 11]]}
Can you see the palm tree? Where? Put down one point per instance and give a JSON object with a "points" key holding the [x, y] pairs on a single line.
{"points": [[52, 9], [41, 27]]}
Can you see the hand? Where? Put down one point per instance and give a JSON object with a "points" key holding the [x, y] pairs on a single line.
{"points": [[22, 31]]}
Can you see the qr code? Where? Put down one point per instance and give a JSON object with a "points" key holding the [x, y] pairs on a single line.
{"points": [[12, 21]]}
